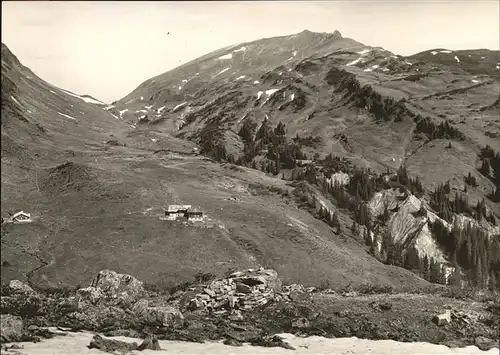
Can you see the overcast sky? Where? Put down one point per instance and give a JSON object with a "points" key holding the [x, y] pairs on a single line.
{"points": [[106, 49]]}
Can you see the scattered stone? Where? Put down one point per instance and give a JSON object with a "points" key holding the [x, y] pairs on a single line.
{"points": [[442, 319], [232, 342], [110, 345], [150, 343], [271, 342], [236, 316], [301, 323], [485, 344]]}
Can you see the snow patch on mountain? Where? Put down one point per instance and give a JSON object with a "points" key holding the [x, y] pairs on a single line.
{"points": [[456, 58], [159, 110], [14, 99], [271, 91], [226, 56], [446, 51], [84, 98], [222, 71], [242, 49], [293, 55], [292, 96], [62, 114], [364, 51], [91, 100], [179, 106], [240, 77], [122, 112], [256, 82], [356, 61]]}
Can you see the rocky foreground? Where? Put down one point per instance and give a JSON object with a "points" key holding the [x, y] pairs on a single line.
{"points": [[244, 308]]}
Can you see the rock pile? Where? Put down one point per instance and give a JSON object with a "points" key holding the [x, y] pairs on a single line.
{"points": [[245, 290], [240, 290]]}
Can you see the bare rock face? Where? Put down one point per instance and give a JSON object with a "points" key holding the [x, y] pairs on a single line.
{"points": [[112, 288]]}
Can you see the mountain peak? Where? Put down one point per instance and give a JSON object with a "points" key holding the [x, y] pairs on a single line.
{"points": [[336, 34]]}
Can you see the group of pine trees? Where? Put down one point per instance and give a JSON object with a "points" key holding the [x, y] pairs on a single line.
{"points": [[414, 185], [471, 249], [281, 152], [443, 130], [441, 203], [384, 109], [212, 142], [490, 168]]}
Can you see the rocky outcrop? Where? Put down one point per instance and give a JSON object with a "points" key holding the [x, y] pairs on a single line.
{"points": [[111, 288], [160, 315], [405, 226]]}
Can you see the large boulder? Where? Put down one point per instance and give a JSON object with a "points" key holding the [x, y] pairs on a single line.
{"points": [[111, 345], [112, 288], [18, 287], [12, 328]]}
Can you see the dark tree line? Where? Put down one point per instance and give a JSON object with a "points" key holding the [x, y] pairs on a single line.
{"points": [[280, 152], [384, 109], [470, 180], [414, 185], [441, 203], [443, 130], [490, 165], [212, 142], [473, 250]]}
